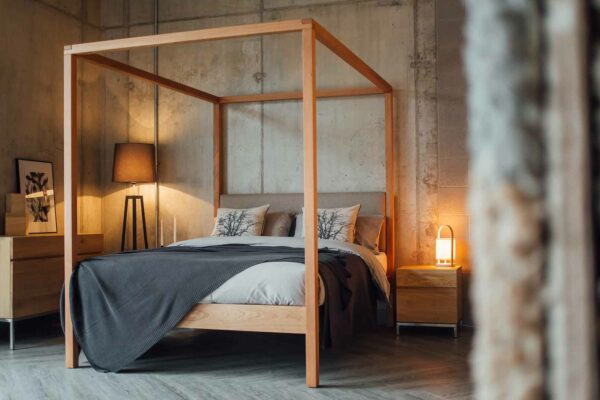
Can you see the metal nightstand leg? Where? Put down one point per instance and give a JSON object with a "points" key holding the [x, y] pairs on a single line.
{"points": [[11, 330], [12, 322]]}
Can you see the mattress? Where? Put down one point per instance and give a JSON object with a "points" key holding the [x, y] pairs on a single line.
{"points": [[279, 283]]}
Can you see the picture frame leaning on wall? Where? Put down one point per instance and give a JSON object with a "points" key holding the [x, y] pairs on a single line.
{"points": [[36, 182]]}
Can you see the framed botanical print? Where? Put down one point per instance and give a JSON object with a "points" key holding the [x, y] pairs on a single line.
{"points": [[36, 182]]}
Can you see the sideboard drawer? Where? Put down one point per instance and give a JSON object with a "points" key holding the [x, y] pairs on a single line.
{"points": [[36, 285], [53, 246]]}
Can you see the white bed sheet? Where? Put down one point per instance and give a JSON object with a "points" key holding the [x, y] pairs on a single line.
{"points": [[273, 283], [277, 283], [382, 258]]}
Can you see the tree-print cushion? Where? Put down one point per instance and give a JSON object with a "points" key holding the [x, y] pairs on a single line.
{"points": [[336, 223], [240, 222]]}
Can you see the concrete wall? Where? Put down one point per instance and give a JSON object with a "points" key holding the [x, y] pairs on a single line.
{"points": [[402, 40], [32, 37], [453, 157], [415, 45]]}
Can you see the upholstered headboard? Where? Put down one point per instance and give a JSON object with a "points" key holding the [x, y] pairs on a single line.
{"points": [[372, 203]]}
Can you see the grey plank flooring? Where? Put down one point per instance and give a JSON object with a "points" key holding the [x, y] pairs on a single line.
{"points": [[420, 364]]}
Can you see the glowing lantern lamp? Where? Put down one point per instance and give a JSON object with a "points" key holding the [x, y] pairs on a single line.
{"points": [[445, 248]]}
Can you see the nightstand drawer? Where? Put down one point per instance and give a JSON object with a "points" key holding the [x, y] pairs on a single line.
{"points": [[440, 277], [427, 305]]}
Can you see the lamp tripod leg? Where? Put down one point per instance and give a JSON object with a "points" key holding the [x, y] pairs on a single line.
{"points": [[134, 224], [144, 223], [124, 224]]}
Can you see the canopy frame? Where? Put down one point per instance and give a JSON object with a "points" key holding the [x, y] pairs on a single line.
{"points": [[303, 320]]}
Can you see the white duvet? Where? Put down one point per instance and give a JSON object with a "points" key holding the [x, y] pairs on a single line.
{"points": [[279, 283]]}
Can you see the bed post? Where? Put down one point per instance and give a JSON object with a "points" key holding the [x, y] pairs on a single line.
{"points": [[310, 205], [389, 181], [217, 156], [70, 210]]}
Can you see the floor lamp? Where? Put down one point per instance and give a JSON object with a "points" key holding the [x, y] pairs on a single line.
{"points": [[134, 163]]}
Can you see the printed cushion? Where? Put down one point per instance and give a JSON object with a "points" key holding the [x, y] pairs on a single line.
{"points": [[240, 222], [334, 223]]}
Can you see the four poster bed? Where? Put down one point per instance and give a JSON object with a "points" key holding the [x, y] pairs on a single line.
{"points": [[302, 319]]}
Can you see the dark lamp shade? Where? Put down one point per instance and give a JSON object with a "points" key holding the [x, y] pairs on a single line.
{"points": [[134, 163]]}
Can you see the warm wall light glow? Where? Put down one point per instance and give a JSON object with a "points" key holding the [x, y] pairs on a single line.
{"points": [[445, 248]]}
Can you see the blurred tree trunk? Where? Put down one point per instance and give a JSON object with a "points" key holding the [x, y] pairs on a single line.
{"points": [[530, 199]]}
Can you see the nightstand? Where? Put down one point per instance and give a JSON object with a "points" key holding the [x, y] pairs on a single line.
{"points": [[427, 295]]}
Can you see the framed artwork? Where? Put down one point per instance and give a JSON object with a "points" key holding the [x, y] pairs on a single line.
{"points": [[36, 182]]}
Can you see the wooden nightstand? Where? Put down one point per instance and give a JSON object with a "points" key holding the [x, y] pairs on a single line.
{"points": [[427, 295]]}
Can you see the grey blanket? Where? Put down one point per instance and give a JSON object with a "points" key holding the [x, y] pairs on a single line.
{"points": [[123, 304]]}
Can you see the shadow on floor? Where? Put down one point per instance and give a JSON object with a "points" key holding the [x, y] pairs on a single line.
{"points": [[420, 363]]}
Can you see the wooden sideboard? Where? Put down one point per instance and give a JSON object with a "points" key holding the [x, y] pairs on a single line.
{"points": [[32, 274]]}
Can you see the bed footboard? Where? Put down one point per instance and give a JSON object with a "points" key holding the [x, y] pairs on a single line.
{"points": [[246, 317]]}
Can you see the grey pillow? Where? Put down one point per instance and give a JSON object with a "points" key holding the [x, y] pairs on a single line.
{"points": [[277, 224], [368, 231], [240, 222]]}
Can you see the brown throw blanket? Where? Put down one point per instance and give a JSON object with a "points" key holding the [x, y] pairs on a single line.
{"points": [[350, 303], [122, 304]]}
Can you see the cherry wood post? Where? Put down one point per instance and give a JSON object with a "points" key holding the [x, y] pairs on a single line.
{"points": [[309, 101], [217, 156], [70, 169]]}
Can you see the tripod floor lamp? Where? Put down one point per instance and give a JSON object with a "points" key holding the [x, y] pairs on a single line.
{"points": [[134, 163]]}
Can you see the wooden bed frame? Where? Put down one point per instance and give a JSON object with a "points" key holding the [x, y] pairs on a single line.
{"points": [[256, 318]]}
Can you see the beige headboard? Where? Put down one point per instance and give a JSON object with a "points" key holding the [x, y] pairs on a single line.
{"points": [[372, 203]]}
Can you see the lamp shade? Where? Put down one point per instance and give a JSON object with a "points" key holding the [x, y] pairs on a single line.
{"points": [[445, 248], [134, 163]]}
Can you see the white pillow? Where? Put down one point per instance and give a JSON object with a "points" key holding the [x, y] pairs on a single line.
{"points": [[240, 222], [333, 223], [298, 225]]}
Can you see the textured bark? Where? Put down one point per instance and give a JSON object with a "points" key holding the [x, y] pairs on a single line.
{"points": [[594, 29], [570, 292], [503, 62]]}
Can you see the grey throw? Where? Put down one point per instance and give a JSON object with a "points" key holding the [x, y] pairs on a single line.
{"points": [[122, 304]]}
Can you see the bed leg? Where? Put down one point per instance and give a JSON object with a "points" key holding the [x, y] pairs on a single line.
{"points": [[72, 354], [312, 361]]}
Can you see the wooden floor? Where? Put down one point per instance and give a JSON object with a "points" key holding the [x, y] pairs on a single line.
{"points": [[418, 364]]}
